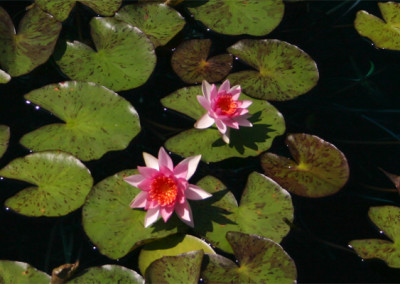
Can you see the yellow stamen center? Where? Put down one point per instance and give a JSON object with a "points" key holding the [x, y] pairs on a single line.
{"points": [[226, 104], [164, 190]]}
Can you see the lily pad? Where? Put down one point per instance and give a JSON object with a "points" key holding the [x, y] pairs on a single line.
{"points": [[190, 62], [387, 219], [61, 183], [108, 274], [264, 209], [4, 77], [61, 9], [260, 261], [170, 246], [319, 169], [112, 225], [284, 71], [4, 137], [37, 35], [247, 141], [124, 59], [256, 18], [183, 268], [158, 21], [97, 120], [21, 273], [384, 34]]}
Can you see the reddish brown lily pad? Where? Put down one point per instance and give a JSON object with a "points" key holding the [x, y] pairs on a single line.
{"points": [[319, 169], [190, 62]]}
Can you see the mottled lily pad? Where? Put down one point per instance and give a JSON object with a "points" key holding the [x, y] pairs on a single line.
{"points": [[60, 184], [112, 225], [4, 77], [4, 138], [158, 21], [264, 209], [183, 268], [61, 9], [384, 34], [284, 71], [319, 169], [260, 261], [97, 120], [108, 274], [21, 273], [256, 18], [37, 35], [170, 246], [247, 141], [124, 58], [190, 62], [387, 219]]}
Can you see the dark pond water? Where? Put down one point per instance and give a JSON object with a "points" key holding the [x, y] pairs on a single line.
{"points": [[359, 114]]}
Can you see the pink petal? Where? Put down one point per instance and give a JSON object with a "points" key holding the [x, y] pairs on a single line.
{"points": [[134, 180], [184, 213], [206, 88], [225, 137], [241, 111], [225, 86], [243, 121], [166, 212], [164, 160], [231, 123], [151, 217], [186, 168], [193, 192], [213, 92], [204, 122], [235, 92], [140, 200], [204, 102], [146, 184], [245, 103], [220, 125], [147, 172], [150, 161]]}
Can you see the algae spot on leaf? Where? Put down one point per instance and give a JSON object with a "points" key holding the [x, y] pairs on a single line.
{"points": [[190, 61], [284, 71], [21, 272], [97, 120], [61, 183], [4, 138], [319, 169]]}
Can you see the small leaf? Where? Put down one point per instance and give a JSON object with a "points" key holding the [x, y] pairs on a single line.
{"points": [[387, 219], [108, 274], [383, 34], [284, 71], [97, 120], [21, 273], [158, 21], [190, 62], [61, 184], [22, 52], [319, 169], [63, 273], [260, 261], [256, 18], [4, 138], [124, 60], [183, 268]]}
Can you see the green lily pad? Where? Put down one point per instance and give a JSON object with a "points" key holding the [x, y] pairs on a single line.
{"points": [[61, 9], [319, 169], [21, 273], [97, 120], [264, 209], [256, 18], [183, 268], [190, 62], [124, 59], [108, 274], [260, 261], [384, 34], [387, 219], [170, 246], [284, 71], [37, 35], [158, 21], [4, 137], [4, 77], [112, 225], [61, 183], [247, 141]]}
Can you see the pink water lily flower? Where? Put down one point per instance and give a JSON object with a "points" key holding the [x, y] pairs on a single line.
{"points": [[165, 188], [223, 108]]}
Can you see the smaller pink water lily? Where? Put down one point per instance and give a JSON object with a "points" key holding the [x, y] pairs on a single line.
{"points": [[165, 188], [223, 108]]}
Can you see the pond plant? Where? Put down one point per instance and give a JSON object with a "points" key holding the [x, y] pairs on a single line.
{"points": [[107, 105]]}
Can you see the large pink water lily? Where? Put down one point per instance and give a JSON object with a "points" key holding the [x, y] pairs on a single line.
{"points": [[165, 188], [223, 108]]}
